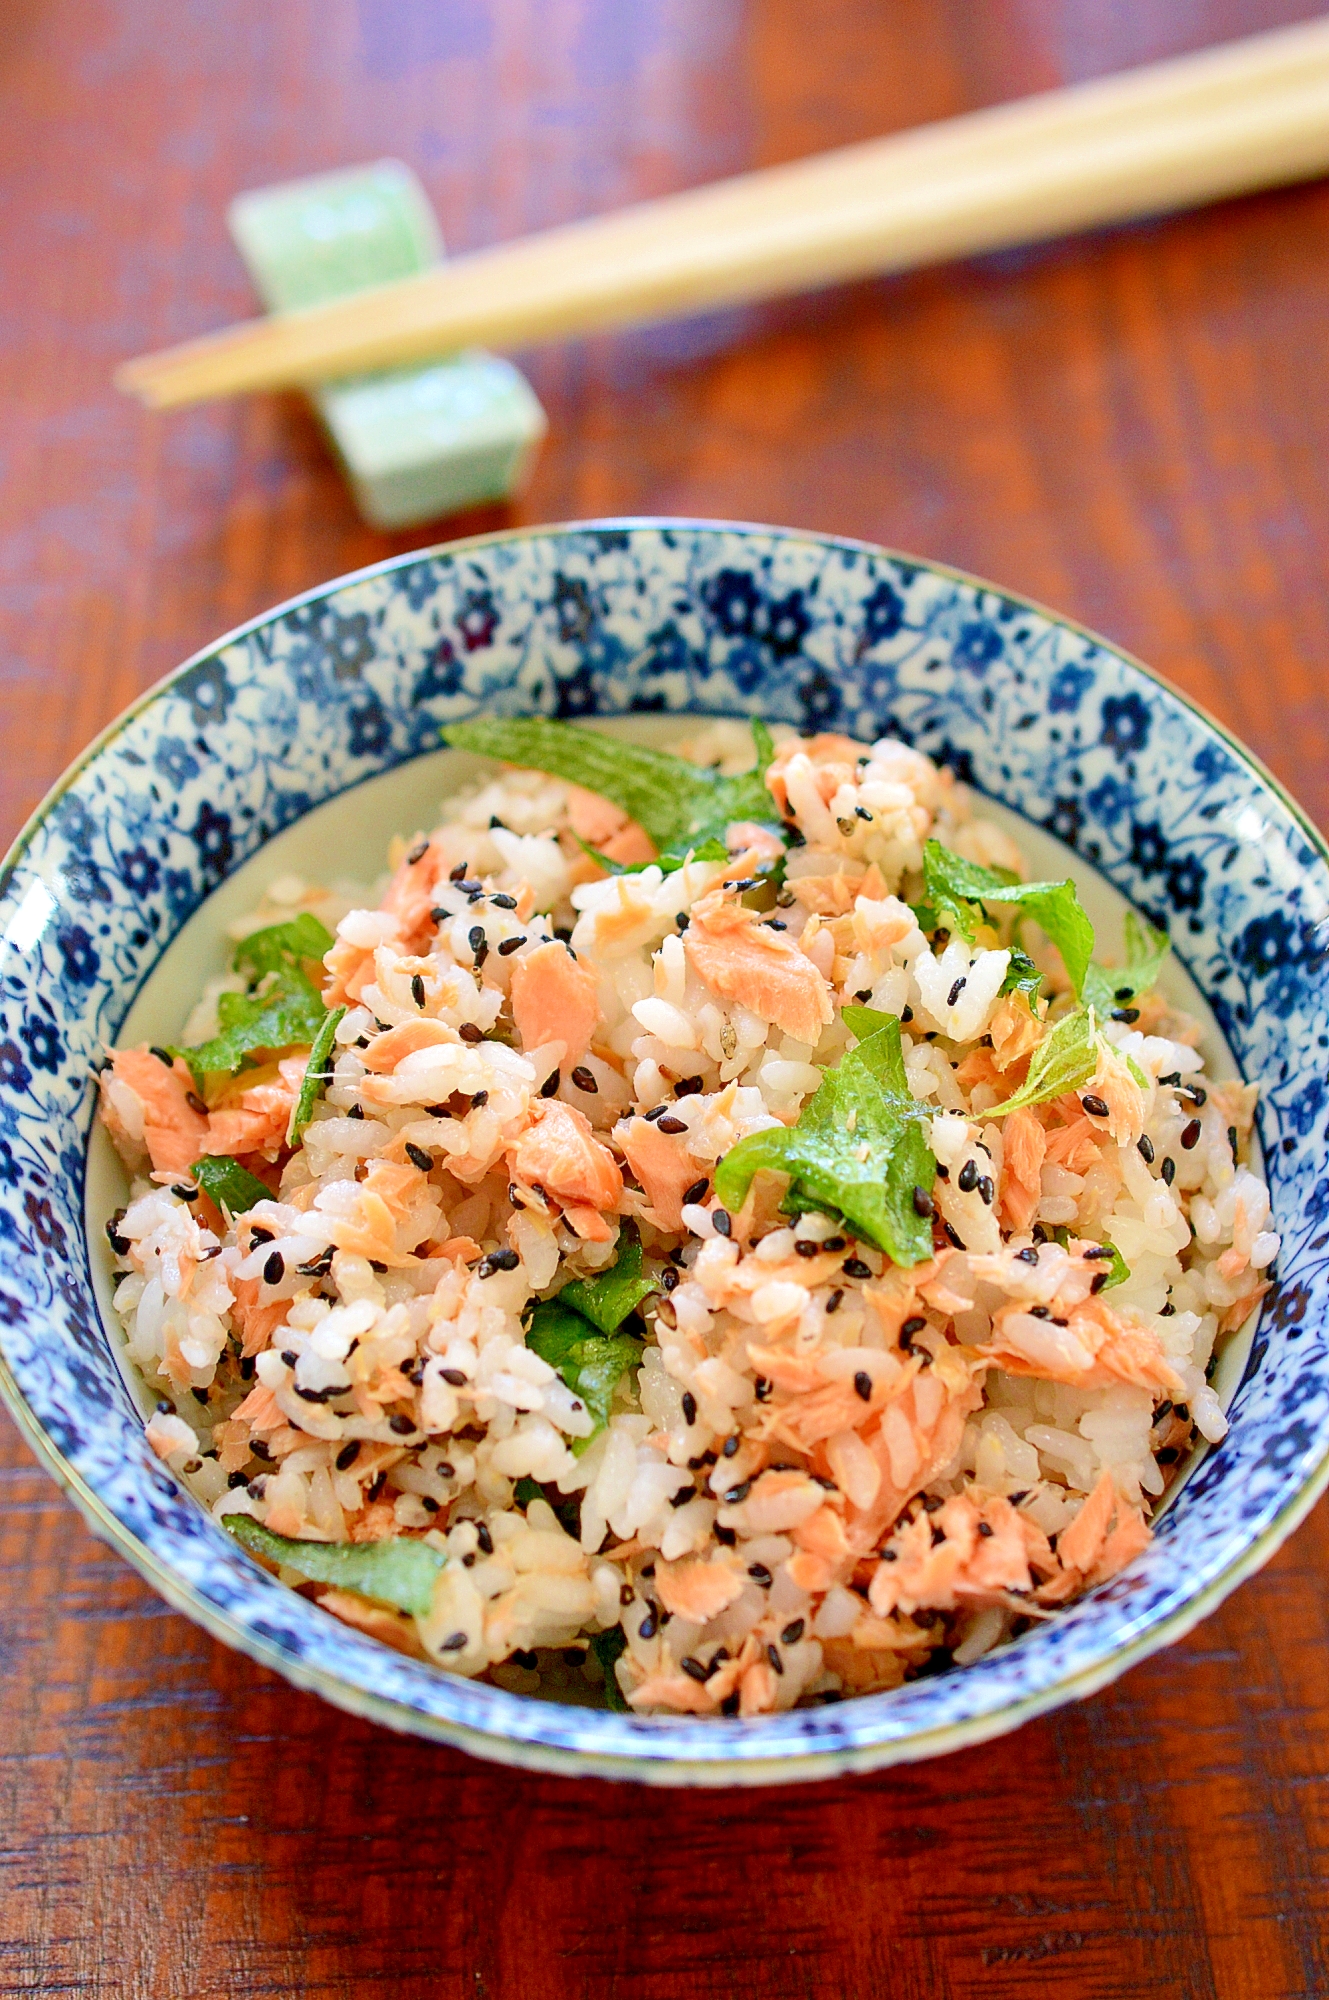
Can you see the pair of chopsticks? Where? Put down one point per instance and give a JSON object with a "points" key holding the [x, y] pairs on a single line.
{"points": [[1245, 115]]}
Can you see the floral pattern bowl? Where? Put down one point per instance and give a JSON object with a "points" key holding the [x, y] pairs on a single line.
{"points": [[318, 725]]}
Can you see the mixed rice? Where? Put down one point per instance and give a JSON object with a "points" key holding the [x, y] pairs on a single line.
{"points": [[920, 1382]]}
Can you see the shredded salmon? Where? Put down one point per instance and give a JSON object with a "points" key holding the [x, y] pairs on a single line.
{"points": [[742, 959], [554, 999]]}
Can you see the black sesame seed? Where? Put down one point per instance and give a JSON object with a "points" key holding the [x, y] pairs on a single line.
{"points": [[1100, 1280], [470, 1033], [913, 1325], [738, 1494], [854, 1267], [347, 1456], [236, 1479], [118, 1243], [1124, 993], [833, 1302], [1190, 1138], [195, 1103], [649, 1625], [549, 1088], [258, 1234], [1093, 1251], [776, 1662], [1029, 1255], [1145, 1147], [1173, 1079], [418, 988], [987, 1192], [985, 1529], [1196, 1095], [669, 1279], [727, 1536], [673, 1126], [923, 1203], [454, 1377], [967, 1179], [1127, 1014], [689, 1407], [504, 902], [835, 1244], [803, 1248], [1183, 1411], [792, 1633], [275, 1269], [509, 945], [1095, 1106], [1040, 1312], [955, 992], [484, 1538], [694, 1668], [356, 1111], [162, 1055], [401, 1423], [906, 1014], [498, 1260], [1168, 1170], [1232, 1140], [863, 1385], [955, 1240], [760, 1574], [418, 1157], [584, 1080], [683, 1495], [720, 1221]]}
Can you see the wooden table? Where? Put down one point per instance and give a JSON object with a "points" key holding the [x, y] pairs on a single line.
{"points": [[1133, 428]]}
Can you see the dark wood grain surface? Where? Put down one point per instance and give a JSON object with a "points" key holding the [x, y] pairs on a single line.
{"points": [[1133, 428]]}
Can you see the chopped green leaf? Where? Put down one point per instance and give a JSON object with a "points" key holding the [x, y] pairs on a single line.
{"points": [[609, 1647], [1022, 976], [859, 1147], [1117, 1271], [607, 1299], [1108, 987], [677, 803], [1064, 1059], [397, 1572], [590, 1362], [283, 947], [526, 1490], [955, 887], [228, 1184], [281, 1008], [317, 1073], [705, 850]]}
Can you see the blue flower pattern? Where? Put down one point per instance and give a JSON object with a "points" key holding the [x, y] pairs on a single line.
{"points": [[689, 619]]}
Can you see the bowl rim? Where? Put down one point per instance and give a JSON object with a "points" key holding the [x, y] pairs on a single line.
{"points": [[645, 1760]]}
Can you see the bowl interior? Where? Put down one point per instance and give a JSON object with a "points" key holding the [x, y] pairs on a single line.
{"points": [[303, 741], [346, 838]]}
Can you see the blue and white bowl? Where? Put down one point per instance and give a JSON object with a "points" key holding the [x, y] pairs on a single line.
{"points": [[307, 737]]}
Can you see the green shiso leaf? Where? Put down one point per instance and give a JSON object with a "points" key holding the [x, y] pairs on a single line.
{"points": [[608, 1647], [1064, 1059], [398, 1572], [316, 1077], [678, 804], [859, 1147], [228, 1184], [957, 889], [281, 1007], [1118, 1270], [1108, 987], [606, 1300], [590, 1362]]}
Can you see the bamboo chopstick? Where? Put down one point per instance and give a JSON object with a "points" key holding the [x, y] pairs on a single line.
{"points": [[1245, 115]]}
